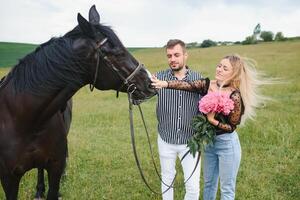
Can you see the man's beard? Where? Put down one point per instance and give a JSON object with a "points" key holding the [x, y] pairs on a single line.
{"points": [[178, 68]]}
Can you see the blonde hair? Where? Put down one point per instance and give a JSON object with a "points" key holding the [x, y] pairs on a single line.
{"points": [[247, 80]]}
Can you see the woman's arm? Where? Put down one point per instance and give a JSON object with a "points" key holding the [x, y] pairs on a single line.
{"points": [[234, 116], [201, 86]]}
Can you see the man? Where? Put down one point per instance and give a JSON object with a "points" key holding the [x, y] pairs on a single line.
{"points": [[175, 110]]}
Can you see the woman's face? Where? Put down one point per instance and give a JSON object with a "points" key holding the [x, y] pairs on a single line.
{"points": [[224, 70]]}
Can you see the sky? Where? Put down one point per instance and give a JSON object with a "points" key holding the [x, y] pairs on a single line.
{"points": [[150, 23]]}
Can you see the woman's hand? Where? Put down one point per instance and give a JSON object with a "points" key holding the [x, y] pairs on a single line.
{"points": [[158, 84], [211, 118]]}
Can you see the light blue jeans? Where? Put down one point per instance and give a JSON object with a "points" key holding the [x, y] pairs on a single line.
{"points": [[222, 159]]}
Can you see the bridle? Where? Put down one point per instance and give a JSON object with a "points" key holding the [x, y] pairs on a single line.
{"points": [[131, 87]]}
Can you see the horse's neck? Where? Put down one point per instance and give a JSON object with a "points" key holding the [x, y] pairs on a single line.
{"points": [[57, 103]]}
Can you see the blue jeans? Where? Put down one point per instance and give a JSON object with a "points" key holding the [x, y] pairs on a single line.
{"points": [[222, 159]]}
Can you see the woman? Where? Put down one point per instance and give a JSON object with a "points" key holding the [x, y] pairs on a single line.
{"points": [[236, 77]]}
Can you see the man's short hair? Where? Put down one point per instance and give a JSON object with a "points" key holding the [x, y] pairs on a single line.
{"points": [[173, 42]]}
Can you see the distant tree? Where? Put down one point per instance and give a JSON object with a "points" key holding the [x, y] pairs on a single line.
{"points": [[191, 45], [267, 36], [250, 40], [293, 38], [279, 36], [208, 43], [226, 43]]}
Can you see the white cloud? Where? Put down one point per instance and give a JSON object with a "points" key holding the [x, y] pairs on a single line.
{"points": [[149, 23]]}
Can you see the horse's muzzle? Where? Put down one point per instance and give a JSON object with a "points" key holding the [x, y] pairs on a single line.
{"points": [[139, 97]]}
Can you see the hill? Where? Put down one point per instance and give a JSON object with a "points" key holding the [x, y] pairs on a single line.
{"points": [[11, 52]]}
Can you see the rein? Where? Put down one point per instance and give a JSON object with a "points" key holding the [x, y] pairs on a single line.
{"points": [[151, 152]]}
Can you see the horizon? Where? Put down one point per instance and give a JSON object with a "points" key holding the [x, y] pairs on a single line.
{"points": [[259, 41], [140, 23]]}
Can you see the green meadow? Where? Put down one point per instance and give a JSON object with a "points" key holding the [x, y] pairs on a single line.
{"points": [[101, 164]]}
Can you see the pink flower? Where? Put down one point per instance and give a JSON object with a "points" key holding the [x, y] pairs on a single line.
{"points": [[216, 102]]}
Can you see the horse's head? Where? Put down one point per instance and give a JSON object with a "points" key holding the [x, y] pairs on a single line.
{"points": [[112, 66]]}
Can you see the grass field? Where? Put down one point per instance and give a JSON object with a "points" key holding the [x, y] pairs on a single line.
{"points": [[101, 163]]}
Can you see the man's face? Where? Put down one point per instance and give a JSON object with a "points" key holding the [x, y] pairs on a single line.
{"points": [[176, 57]]}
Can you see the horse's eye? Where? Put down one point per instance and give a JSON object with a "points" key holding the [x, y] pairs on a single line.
{"points": [[113, 51], [106, 49], [120, 53]]}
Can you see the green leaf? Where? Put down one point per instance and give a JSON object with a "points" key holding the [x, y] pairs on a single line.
{"points": [[204, 134]]}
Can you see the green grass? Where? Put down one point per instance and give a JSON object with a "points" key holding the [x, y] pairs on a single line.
{"points": [[101, 163]]}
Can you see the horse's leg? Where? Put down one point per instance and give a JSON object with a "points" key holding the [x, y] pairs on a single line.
{"points": [[54, 175], [10, 186], [64, 176], [40, 186]]}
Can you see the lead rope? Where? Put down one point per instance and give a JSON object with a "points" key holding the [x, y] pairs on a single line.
{"points": [[148, 138], [134, 147], [152, 155]]}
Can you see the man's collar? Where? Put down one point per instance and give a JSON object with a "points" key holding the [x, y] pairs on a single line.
{"points": [[187, 72]]}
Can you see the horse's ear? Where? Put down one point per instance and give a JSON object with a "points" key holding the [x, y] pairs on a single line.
{"points": [[94, 16], [85, 26]]}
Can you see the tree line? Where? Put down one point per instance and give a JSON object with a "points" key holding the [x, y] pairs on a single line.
{"points": [[258, 36]]}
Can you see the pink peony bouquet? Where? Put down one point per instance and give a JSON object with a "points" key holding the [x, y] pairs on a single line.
{"points": [[205, 132], [216, 102]]}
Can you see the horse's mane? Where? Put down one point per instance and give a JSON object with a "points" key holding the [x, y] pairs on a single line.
{"points": [[54, 64]]}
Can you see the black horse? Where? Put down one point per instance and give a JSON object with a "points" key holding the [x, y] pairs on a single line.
{"points": [[34, 95]]}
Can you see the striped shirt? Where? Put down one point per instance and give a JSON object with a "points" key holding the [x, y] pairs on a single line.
{"points": [[176, 108]]}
